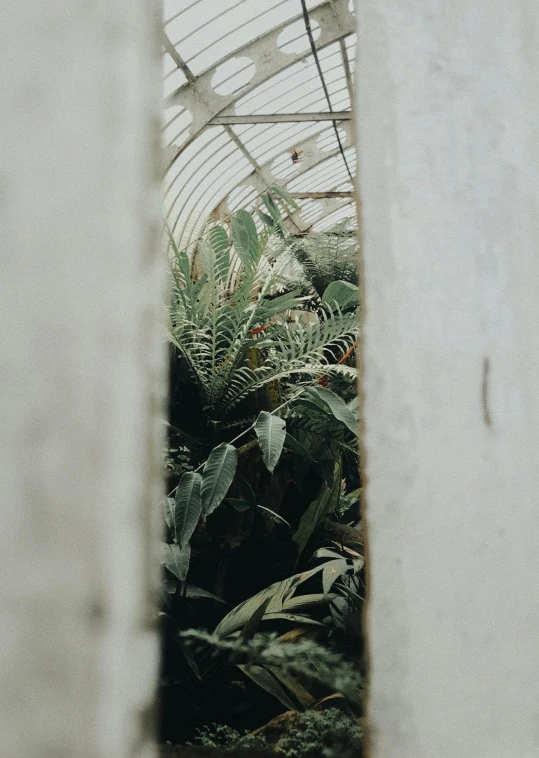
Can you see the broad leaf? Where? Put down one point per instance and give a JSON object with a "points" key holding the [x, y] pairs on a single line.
{"points": [[337, 406], [278, 594], [271, 433], [240, 615], [188, 506], [245, 238], [217, 476], [333, 570], [176, 559], [343, 294]]}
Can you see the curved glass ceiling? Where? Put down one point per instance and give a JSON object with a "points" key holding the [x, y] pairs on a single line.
{"points": [[246, 109]]}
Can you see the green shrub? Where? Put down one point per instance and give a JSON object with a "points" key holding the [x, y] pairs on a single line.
{"points": [[327, 734]]}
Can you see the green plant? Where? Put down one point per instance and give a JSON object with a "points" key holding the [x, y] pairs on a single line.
{"points": [[225, 738], [272, 662], [323, 258], [264, 440], [304, 658], [326, 734], [217, 320]]}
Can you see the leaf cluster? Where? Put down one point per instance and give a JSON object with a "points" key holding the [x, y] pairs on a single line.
{"points": [[326, 734]]}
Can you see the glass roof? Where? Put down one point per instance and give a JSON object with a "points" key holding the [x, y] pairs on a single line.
{"points": [[246, 107]]}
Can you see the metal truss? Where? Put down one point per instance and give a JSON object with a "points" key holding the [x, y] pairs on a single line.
{"points": [[209, 109]]}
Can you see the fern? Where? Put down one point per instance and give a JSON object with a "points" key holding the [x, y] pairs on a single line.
{"points": [[324, 257], [215, 329]]}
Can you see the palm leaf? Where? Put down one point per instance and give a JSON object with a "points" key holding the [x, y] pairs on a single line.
{"points": [[245, 238]]}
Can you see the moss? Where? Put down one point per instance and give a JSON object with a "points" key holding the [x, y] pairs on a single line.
{"points": [[314, 734]]}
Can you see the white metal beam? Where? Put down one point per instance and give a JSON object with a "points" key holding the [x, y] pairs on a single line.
{"points": [[335, 21], [280, 118], [319, 195], [329, 206]]}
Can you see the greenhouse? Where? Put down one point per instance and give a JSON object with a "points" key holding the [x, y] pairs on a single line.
{"points": [[270, 433], [264, 554]]}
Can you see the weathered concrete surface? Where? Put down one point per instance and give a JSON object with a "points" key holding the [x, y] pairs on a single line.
{"points": [[81, 370], [448, 131]]}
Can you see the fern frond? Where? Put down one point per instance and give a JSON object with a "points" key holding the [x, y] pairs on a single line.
{"points": [[294, 349]]}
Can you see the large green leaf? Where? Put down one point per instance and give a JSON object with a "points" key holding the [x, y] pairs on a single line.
{"points": [[188, 507], [337, 406], [333, 570], [343, 294], [176, 559], [280, 599], [266, 308], [217, 476], [240, 615], [271, 433], [245, 238]]}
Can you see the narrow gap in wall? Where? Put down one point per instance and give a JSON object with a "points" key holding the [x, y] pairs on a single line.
{"points": [[261, 608]]}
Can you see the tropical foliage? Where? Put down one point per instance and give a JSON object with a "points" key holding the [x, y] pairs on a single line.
{"points": [[263, 584]]}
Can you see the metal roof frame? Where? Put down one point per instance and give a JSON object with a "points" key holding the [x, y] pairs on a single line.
{"points": [[190, 208]]}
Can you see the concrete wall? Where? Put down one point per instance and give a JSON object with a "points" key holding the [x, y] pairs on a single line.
{"points": [[448, 130], [81, 376]]}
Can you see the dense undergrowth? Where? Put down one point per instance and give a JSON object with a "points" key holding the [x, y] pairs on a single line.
{"points": [[263, 586]]}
